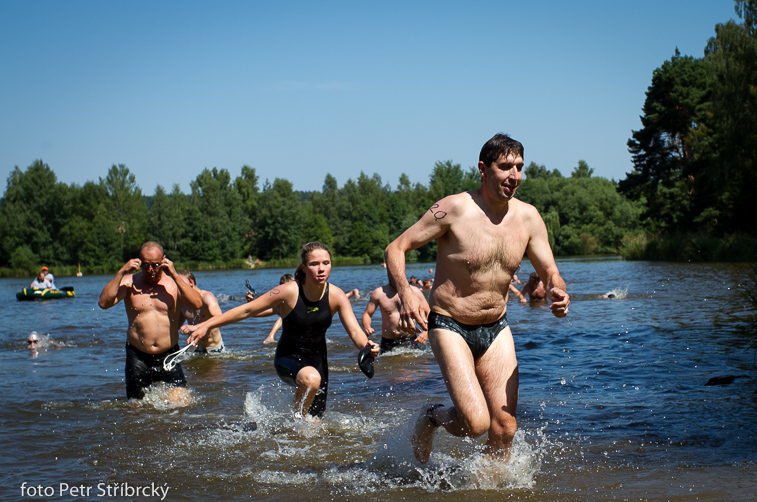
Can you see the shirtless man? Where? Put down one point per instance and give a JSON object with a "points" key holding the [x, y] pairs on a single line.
{"points": [[153, 300], [482, 236], [385, 298], [535, 289], [212, 343]]}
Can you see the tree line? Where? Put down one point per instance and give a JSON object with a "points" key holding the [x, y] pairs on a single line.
{"points": [[694, 158], [225, 220]]}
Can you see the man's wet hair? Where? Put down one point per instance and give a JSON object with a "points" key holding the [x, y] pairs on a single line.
{"points": [[189, 275], [499, 144]]}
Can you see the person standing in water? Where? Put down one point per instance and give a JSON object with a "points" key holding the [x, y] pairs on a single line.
{"points": [[385, 299], [153, 298], [213, 342], [482, 236], [307, 306], [534, 288], [277, 325]]}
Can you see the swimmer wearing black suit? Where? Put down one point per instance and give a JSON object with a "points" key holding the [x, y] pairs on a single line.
{"points": [[307, 306]]}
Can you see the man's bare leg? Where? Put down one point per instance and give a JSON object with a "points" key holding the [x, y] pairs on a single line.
{"points": [[469, 415], [497, 372]]}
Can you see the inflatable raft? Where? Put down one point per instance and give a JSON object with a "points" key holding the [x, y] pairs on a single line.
{"points": [[30, 294]]}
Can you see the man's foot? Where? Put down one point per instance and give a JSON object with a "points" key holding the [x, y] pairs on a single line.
{"points": [[423, 434]]}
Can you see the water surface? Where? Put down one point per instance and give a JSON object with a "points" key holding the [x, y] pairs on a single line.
{"points": [[613, 402]]}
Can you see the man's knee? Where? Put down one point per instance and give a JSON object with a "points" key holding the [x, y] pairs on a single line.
{"points": [[504, 426], [475, 424]]}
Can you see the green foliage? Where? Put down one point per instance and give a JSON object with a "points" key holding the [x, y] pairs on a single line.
{"points": [[168, 220], [246, 184], [698, 246], [23, 258], [732, 58], [280, 225], [582, 170], [32, 213], [667, 152], [218, 222], [695, 158], [125, 212], [583, 215], [446, 179]]}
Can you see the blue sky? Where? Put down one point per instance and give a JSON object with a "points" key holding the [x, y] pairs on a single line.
{"points": [[297, 90]]}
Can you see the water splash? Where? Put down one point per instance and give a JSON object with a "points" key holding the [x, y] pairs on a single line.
{"points": [[164, 397]]}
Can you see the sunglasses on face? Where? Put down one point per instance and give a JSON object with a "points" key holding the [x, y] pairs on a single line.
{"points": [[147, 266], [31, 342]]}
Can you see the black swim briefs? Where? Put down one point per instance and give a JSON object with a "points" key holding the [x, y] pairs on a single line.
{"points": [[143, 370], [478, 337]]}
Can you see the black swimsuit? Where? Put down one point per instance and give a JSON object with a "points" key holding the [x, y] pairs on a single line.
{"points": [[478, 338], [143, 370], [303, 343]]}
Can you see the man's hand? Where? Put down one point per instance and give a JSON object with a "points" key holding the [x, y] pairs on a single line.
{"points": [[412, 317], [422, 338], [560, 302], [368, 330], [167, 265], [131, 266]]}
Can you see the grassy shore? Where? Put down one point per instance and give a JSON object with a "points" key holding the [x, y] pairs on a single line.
{"points": [[698, 247]]}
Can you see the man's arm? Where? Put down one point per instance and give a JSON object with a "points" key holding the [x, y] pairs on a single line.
{"points": [[113, 292], [517, 293], [432, 225], [187, 294], [368, 314], [541, 257], [423, 335], [210, 301]]}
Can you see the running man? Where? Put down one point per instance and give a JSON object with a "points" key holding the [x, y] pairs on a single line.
{"points": [[153, 299], [482, 236], [385, 299]]}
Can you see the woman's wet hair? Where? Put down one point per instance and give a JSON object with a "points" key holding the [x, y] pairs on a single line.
{"points": [[308, 248], [499, 144]]}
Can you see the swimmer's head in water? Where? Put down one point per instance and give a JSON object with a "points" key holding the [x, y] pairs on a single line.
{"points": [[286, 278], [32, 339], [534, 277]]}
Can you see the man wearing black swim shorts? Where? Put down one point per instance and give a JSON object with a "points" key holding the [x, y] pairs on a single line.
{"points": [[386, 300], [153, 300], [482, 236]]}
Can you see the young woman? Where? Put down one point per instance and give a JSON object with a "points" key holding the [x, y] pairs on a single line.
{"points": [[307, 306]]}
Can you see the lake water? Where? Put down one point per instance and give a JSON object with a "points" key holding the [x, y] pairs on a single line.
{"points": [[613, 402]]}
